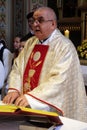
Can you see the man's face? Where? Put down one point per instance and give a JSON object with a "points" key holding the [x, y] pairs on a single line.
{"points": [[43, 26]]}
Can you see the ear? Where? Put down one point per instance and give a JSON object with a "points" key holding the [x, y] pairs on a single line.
{"points": [[54, 24]]}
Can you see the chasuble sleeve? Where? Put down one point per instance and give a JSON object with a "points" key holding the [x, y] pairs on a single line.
{"points": [[35, 104]]}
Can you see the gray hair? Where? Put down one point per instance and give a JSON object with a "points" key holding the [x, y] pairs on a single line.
{"points": [[50, 13]]}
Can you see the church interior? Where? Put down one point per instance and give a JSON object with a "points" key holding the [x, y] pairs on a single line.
{"points": [[71, 21], [71, 15]]}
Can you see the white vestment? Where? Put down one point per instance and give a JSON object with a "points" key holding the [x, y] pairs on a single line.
{"points": [[7, 60], [2, 74], [61, 83], [5, 66]]}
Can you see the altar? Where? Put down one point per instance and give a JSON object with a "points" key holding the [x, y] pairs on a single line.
{"points": [[68, 124]]}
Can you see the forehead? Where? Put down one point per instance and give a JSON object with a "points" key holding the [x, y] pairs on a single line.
{"points": [[17, 39], [40, 13]]}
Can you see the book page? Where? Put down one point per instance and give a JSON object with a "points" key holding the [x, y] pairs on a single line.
{"points": [[7, 107], [1, 103]]}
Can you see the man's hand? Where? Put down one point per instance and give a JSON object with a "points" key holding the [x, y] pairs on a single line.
{"points": [[21, 101], [11, 97]]}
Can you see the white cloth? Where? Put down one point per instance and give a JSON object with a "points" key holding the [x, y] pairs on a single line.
{"points": [[35, 104], [1, 45], [70, 124], [2, 75], [7, 59], [61, 83]]}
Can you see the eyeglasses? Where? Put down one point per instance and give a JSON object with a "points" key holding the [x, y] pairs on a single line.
{"points": [[40, 20], [30, 21]]}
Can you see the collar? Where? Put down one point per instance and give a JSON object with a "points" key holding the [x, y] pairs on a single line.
{"points": [[41, 41], [1, 45], [45, 41]]}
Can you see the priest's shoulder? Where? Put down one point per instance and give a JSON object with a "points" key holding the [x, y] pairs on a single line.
{"points": [[32, 40]]}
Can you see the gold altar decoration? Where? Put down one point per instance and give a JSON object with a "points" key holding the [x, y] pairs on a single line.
{"points": [[82, 52]]}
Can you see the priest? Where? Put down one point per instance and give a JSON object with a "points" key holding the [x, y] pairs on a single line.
{"points": [[46, 75]]}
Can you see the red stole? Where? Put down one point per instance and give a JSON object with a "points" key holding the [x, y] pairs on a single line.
{"points": [[33, 67]]}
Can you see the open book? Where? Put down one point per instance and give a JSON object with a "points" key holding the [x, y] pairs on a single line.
{"points": [[23, 113]]}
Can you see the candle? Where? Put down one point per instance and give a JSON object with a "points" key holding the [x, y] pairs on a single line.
{"points": [[66, 33]]}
